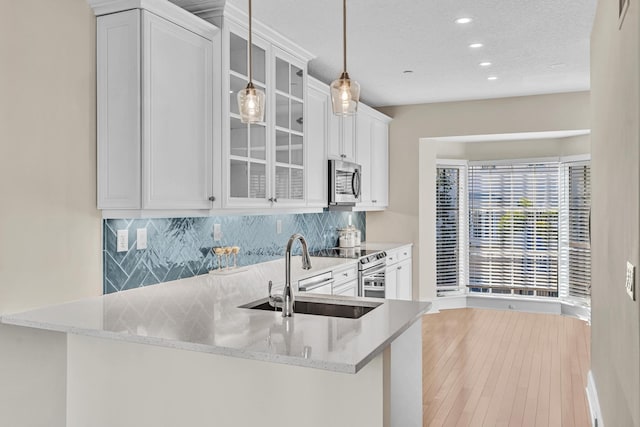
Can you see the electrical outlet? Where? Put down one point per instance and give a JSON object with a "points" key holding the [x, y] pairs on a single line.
{"points": [[217, 232], [278, 226], [631, 281], [123, 241], [141, 238]]}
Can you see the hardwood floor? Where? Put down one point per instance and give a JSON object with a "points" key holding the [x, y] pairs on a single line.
{"points": [[504, 368]]}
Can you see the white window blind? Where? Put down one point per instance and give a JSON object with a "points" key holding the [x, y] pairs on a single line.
{"points": [[450, 230], [513, 229], [579, 205]]}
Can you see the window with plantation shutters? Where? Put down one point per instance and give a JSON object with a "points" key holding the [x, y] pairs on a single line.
{"points": [[448, 228], [513, 229]]}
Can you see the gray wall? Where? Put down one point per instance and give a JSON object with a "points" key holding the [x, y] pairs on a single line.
{"points": [[615, 330]]}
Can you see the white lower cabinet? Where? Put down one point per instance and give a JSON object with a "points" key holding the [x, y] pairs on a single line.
{"points": [[398, 275], [349, 289], [346, 281], [155, 127]]}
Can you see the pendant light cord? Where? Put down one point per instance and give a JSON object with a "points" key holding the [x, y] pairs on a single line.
{"points": [[250, 47], [344, 34]]}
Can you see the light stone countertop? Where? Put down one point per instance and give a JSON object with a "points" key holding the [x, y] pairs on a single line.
{"points": [[202, 314]]}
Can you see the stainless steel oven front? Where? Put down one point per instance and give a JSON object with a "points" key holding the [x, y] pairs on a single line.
{"points": [[371, 275]]}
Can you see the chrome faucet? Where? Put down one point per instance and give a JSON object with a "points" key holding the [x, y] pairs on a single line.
{"points": [[287, 300]]}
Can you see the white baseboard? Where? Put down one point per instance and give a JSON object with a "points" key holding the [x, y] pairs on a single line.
{"points": [[594, 404], [449, 302], [495, 302]]}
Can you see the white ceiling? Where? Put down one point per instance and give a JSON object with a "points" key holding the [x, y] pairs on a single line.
{"points": [[535, 46]]}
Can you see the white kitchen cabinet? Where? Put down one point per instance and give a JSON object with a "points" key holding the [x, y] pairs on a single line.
{"points": [[372, 139], [317, 135], [380, 164], [265, 163], [342, 136], [155, 127], [349, 289], [403, 280], [398, 274], [346, 281]]}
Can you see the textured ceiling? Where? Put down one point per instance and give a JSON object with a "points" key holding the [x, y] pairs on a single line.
{"points": [[535, 46]]}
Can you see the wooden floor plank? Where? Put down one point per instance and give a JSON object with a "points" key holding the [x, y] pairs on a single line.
{"points": [[499, 368]]}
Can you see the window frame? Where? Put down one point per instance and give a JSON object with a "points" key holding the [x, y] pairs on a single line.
{"points": [[463, 225]]}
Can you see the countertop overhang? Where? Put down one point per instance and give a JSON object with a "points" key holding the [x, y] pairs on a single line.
{"points": [[203, 314]]}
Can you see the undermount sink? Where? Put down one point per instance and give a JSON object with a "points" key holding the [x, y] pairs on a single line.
{"points": [[346, 310]]}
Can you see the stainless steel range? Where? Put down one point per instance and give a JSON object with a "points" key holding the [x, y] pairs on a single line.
{"points": [[371, 275], [371, 268]]}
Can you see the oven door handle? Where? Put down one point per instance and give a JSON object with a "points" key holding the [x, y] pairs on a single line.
{"points": [[377, 270], [315, 285]]}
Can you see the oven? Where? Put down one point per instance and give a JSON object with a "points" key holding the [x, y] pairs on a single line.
{"points": [[371, 275]]}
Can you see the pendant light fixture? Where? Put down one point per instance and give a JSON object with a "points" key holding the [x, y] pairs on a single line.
{"points": [[250, 99], [345, 93]]}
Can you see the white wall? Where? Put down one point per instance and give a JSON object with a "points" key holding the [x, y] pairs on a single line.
{"points": [[50, 246], [615, 171], [411, 213]]}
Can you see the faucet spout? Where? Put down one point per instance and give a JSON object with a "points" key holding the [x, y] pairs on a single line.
{"points": [[288, 298]]}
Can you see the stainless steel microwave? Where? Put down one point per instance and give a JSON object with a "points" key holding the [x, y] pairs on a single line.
{"points": [[344, 183]]}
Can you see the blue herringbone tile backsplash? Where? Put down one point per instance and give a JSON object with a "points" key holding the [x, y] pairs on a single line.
{"points": [[181, 247]]}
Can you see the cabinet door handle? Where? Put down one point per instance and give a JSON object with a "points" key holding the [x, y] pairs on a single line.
{"points": [[343, 155], [399, 267], [273, 200], [405, 254], [212, 199], [345, 274], [374, 201]]}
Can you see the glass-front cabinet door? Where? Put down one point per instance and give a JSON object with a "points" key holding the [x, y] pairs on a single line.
{"points": [[265, 161], [247, 167], [289, 129]]}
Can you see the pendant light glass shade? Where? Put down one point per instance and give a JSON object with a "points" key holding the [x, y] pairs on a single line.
{"points": [[250, 99], [251, 104], [345, 93]]}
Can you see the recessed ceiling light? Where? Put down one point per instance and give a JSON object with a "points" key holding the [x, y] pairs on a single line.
{"points": [[485, 64], [492, 78], [463, 20], [475, 45]]}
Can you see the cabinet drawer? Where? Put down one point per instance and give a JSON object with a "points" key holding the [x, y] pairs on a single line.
{"points": [[392, 257], [345, 275], [403, 253]]}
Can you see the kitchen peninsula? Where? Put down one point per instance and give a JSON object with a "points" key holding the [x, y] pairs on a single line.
{"points": [[186, 353]]}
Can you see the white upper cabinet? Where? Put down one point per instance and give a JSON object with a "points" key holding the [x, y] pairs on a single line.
{"points": [[177, 138], [342, 136], [318, 110], [246, 147], [380, 163], [373, 155], [156, 97], [265, 164]]}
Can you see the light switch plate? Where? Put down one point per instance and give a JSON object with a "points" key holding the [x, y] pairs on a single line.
{"points": [[141, 238], [217, 232], [123, 241], [631, 282]]}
